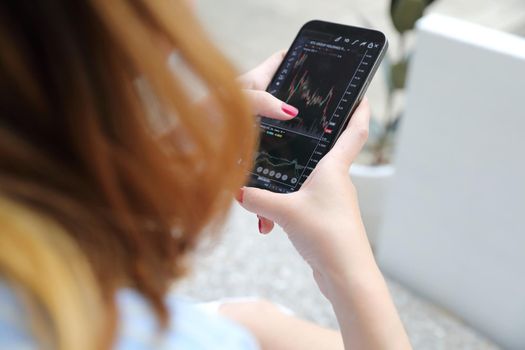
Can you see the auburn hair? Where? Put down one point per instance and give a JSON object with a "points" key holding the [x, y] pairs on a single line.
{"points": [[99, 135]]}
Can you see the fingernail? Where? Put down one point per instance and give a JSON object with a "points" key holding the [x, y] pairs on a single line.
{"points": [[260, 226], [290, 110], [240, 195]]}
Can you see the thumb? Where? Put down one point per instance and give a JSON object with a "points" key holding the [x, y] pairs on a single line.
{"points": [[267, 105], [271, 205]]}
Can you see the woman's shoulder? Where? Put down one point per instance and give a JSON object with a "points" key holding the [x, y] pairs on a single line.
{"points": [[14, 323], [189, 327]]}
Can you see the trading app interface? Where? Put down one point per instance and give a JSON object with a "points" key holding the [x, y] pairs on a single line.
{"points": [[322, 76]]}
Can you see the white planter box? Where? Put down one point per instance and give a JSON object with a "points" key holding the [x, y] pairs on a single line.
{"points": [[454, 225], [372, 183]]}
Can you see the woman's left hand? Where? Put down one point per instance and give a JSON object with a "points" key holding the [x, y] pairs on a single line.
{"points": [[254, 84]]}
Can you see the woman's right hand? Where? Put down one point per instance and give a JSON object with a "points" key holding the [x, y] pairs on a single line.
{"points": [[323, 222], [322, 219]]}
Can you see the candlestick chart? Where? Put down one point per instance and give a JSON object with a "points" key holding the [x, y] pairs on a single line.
{"points": [[309, 90]]}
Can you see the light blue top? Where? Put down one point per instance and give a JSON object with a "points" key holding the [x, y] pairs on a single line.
{"points": [[189, 328]]}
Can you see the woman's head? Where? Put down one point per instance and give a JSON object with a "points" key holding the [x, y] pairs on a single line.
{"points": [[133, 177]]}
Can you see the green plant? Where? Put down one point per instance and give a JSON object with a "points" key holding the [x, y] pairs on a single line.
{"points": [[404, 14]]}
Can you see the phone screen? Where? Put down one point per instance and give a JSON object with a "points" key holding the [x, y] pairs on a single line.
{"points": [[324, 75]]}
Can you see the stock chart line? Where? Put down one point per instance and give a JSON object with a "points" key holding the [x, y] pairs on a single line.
{"points": [[311, 98], [314, 101], [300, 61], [265, 159]]}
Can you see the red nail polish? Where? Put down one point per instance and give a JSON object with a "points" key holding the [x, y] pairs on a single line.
{"points": [[239, 196], [290, 110], [260, 226]]}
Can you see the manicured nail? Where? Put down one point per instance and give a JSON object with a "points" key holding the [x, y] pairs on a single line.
{"points": [[290, 110], [240, 195], [260, 226]]}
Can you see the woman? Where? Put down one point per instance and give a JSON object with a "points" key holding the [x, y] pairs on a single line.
{"points": [[110, 173]]}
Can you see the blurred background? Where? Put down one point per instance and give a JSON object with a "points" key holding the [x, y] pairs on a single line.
{"points": [[434, 301]]}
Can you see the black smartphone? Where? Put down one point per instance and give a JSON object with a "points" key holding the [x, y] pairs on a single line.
{"points": [[324, 74]]}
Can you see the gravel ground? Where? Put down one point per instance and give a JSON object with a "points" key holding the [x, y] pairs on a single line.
{"points": [[240, 262]]}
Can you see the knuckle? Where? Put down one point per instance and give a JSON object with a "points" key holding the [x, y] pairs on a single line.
{"points": [[258, 98], [262, 100], [267, 97], [362, 133], [250, 199]]}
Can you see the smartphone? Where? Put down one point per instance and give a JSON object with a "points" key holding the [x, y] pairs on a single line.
{"points": [[325, 74]]}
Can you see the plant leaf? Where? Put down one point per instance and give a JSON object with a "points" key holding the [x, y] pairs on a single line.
{"points": [[398, 74], [405, 13]]}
